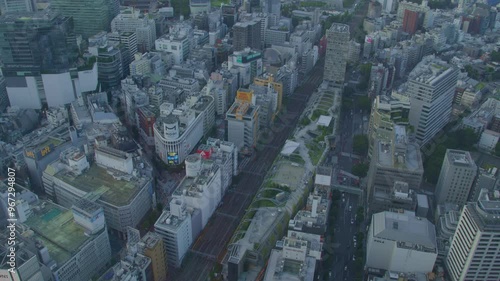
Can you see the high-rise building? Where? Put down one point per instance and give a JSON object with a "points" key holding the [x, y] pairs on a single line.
{"points": [[475, 247], [337, 50], [151, 246], [243, 124], [38, 52], [272, 7], [131, 20], [455, 180], [410, 21], [144, 6], [109, 60], [247, 35], [229, 15], [89, 16], [431, 86], [13, 6]]}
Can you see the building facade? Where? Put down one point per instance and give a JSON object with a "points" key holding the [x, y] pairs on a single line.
{"points": [[337, 50]]}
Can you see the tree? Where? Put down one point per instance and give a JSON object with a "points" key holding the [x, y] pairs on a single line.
{"points": [[360, 145], [364, 103], [495, 56], [360, 170], [497, 149]]}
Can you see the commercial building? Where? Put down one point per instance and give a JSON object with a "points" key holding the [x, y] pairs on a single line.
{"points": [[14, 6], [247, 35], [458, 173], [243, 124], [474, 250], [290, 262], [337, 50], [177, 131], [151, 246], [72, 245], [174, 227], [401, 242], [431, 86], [247, 63], [131, 20], [50, 75], [133, 266], [147, 64], [199, 6], [399, 160], [188, 85], [110, 62], [89, 16], [410, 21], [178, 45], [268, 79], [128, 40], [117, 181], [387, 111], [486, 178], [446, 223]]}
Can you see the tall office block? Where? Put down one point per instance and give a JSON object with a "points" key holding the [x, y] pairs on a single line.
{"points": [[131, 20], [247, 34], [431, 87], [475, 246], [337, 50], [13, 6], [89, 16], [243, 124], [152, 247], [199, 6], [455, 180], [410, 21]]}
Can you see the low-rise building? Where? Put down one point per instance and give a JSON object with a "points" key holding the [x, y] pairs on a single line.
{"points": [[402, 242]]}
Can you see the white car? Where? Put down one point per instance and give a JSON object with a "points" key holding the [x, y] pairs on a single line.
{"points": [[353, 258], [352, 221], [350, 208]]}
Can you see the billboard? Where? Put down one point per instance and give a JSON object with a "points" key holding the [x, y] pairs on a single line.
{"points": [[248, 58], [172, 158], [39, 153]]}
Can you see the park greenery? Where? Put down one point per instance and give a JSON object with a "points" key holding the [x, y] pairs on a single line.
{"points": [[463, 139], [360, 170], [360, 145]]}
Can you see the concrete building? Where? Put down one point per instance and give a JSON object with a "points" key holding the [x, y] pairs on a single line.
{"points": [[131, 20], [174, 227], [117, 181], [247, 63], [13, 6], [247, 35], [486, 179], [431, 86], [90, 16], [224, 154], [290, 262], [133, 266], [268, 79], [474, 250], [177, 44], [458, 173], [410, 21], [110, 62], [397, 160], [446, 223], [489, 140], [199, 6], [177, 131], [70, 244], [147, 64], [337, 50], [387, 111], [188, 85], [151, 246], [401, 242], [243, 124]]}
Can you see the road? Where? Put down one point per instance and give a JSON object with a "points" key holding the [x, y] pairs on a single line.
{"points": [[343, 237], [209, 248]]}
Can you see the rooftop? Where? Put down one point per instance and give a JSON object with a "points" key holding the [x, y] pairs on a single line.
{"points": [[460, 158], [411, 159], [429, 70], [339, 27], [406, 228], [55, 226], [280, 268], [99, 181]]}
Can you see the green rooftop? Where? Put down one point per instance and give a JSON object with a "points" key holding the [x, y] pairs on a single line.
{"points": [[49, 141], [99, 182], [55, 226]]}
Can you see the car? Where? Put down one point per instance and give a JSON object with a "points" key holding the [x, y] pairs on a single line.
{"points": [[354, 238], [353, 258], [345, 268], [343, 200], [352, 221], [350, 208]]}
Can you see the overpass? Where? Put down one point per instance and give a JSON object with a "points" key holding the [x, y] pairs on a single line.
{"points": [[349, 189]]}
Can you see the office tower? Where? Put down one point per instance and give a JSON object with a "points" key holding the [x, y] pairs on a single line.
{"points": [[431, 86], [410, 21], [38, 50], [337, 50], [401, 242], [243, 124], [374, 10], [398, 160], [131, 20], [475, 246], [89, 16], [229, 15], [144, 6], [486, 178], [455, 180], [272, 7], [247, 35], [13, 6], [129, 41], [151, 246], [109, 60]]}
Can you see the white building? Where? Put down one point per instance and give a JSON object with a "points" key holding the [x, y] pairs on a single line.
{"points": [[59, 89], [431, 87], [243, 124], [247, 63], [475, 248], [174, 227], [291, 262], [131, 20], [177, 132], [337, 53], [489, 140], [179, 45], [402, 242], [458, 172]]}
